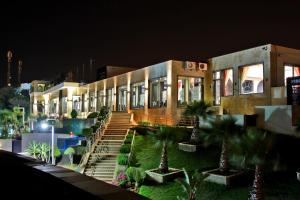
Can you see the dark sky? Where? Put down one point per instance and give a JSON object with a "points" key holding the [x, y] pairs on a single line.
{"points": [[55, 36]]}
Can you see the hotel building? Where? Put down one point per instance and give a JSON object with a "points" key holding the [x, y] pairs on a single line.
{"points": [[251, 82]]}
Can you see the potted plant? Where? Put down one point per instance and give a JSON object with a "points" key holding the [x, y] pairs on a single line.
{"points": [[164, 136], [197, 110], [251, 149], [219, 132]]}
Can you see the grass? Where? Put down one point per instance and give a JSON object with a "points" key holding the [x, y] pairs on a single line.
{"points": [[277, 186]]}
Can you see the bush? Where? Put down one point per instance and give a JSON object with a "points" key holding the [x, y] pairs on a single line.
{"points": [[57, 152], [74, 114], [87, 132], [128, 140], [122, 159], [125, 148], [136, 175], [93, 115], [94, 128], [132, 161], [144, 123], [79, 150]]}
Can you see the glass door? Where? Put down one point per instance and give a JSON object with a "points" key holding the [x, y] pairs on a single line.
{"points": [[122, 98]]}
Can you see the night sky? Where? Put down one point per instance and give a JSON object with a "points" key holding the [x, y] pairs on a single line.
{"points": [[54, 37]]}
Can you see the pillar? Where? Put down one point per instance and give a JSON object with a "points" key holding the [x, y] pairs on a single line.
{"points": [[69, 101], [128, 91], [146, 106], [47, 105]]}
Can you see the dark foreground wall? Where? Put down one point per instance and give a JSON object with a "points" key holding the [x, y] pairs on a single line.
{"points": [[31, 179]]}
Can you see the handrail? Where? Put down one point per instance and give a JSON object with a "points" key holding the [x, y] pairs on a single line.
{"points": [[94, 139]]}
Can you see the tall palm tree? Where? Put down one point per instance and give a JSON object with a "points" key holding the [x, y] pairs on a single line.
{"points": [[251, 149], [164, 136], [197, 109], [220, 131]]}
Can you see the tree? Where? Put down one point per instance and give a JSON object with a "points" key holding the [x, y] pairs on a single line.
{"points": [[44, 150], [6, 93], [70, 152], [251, 149], [164, 136], [8, 119], [220, 131], [197, 109], [191, 184]]}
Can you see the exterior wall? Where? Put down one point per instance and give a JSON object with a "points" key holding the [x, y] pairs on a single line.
{"points": [[6, 144], [243, 104]]}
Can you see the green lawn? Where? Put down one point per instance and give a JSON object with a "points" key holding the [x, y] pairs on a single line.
{"points": [[276, 186]]}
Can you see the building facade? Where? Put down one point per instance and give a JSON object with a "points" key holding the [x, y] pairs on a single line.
{"points": [[248, 82]]}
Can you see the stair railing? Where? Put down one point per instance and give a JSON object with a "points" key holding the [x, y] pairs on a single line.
{"points": [[94, 139]]}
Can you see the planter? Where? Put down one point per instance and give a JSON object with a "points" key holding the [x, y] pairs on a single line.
{"points": [[187, 147], [153, 175], [216, 176], [298, 175]]}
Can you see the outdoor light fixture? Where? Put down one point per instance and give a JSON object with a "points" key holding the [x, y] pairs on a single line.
{"points": [[45, 126]]}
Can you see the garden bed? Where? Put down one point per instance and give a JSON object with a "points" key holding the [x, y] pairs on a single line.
{"points": [[188, 147], [157, 176], [223, 178]]}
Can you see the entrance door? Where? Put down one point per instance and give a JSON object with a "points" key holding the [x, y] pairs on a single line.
{"points": [[122, 100]]}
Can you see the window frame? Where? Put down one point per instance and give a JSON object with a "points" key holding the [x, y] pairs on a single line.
{"points": [[290, 65], [131, 90], [239, 77], [150, 91], [202, 88]]}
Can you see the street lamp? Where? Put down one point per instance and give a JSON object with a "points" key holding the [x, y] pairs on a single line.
{"points": [[45, 126]]}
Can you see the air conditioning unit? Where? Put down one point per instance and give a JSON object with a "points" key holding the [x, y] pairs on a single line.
{"points": [[190, 65], [203, 66]]}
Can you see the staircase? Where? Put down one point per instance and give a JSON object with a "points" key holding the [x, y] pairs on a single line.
{"points": [[103, 158]]}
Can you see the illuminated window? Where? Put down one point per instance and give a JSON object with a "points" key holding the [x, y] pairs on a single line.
{"points": [[64, 102], [76, 103], [109, 98], [227, 83], [100, 101], [92, 101], [251, 79], [158, 93], [217, 89], [138, 95], [189, 90], [122, 98], [290, 71]]}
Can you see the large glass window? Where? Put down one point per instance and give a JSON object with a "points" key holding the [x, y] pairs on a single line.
{"points": [[217, 89], [109, 98], [122, 98], [189, 90], [251, 79], [76, 104], [100, 101], [291, 71], [227, 83], [138, 95], [64, 102], [158, 93], [92, 101]]}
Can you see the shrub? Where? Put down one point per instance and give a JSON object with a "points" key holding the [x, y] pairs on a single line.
{"points": [[79, 150], [132, 161], [125, 148], [74, 114], [70, 151], [93, 115], [57, 152], [122, 159], [144, 123], [128, 140], [87, 132], [136, 175]]}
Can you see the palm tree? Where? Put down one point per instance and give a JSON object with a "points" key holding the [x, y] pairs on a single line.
{"points": [[44, 151], [164, 136], [220, 131], [191, 184], [251, 149], [33, 149], [197, 109]]}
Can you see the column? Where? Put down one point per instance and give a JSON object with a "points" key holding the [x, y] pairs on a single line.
{"points": [[128, 91], [96, 98], [69, 101], [146, 106], [47, 105], [34, 106], [115, 94]]}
